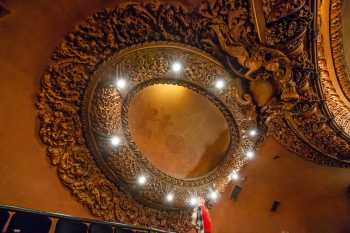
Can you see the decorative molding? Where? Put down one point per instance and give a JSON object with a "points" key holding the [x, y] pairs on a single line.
{"points": [[331, 117], [337, 108], [260, 63], [304, 127], [289, 131], [64, 83], [336, 89], [281, 24], [336, 40], [147, 65], [259, 19], [276, 10], [224, 30]]}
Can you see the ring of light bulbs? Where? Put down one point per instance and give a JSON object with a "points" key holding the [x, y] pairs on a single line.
{"points": [[118, 141]]}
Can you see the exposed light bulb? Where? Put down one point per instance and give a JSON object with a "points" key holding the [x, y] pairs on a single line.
{"points": [[219, 84], [250, 154], [253, 132], [141, 180], [234, 175], [194, 201], [121, 83], [169, 197], [213, 195], [115, 141], [176, 67]]}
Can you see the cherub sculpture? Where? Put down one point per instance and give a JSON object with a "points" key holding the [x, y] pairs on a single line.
{"points": [[259, 58]]}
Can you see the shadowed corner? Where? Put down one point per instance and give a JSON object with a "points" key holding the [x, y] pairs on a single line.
{"points": [[3, 10]]}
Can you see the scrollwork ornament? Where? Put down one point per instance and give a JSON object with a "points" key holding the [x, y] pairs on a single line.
{"points": [[147, 65], [65, 81], [220, 28]]}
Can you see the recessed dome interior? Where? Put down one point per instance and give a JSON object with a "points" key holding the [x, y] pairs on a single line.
{"points": [[180, 131]]}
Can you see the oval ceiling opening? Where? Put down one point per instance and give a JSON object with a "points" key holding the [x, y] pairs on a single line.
{"points": [[181, 132]]}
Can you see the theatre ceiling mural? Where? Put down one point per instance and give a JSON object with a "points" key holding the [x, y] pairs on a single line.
{"points": [[148, 106]]}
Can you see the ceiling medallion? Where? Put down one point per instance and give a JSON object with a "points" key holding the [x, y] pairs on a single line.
{"points": [[66, 79], [146, 128]]}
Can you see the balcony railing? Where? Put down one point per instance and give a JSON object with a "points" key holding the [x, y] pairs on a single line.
{"points": [[20, 220]]}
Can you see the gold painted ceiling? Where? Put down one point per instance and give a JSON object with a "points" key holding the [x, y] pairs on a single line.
{"points": [[188, 106], [286, 55], [333, 75]]}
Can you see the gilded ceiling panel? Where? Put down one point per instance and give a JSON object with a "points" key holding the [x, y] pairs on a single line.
{"points": [[262, 50]]}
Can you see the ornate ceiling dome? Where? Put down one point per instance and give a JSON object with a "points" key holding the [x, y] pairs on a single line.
{"points": [[333, 73], [120, 115], [307, 126], [133, 108], [179, 129], [335, 79]]}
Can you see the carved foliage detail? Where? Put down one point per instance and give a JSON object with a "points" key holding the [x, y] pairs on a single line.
{"points": [[221, 28], [66, 79], [286, 23], [303, 127], [149, 64]]}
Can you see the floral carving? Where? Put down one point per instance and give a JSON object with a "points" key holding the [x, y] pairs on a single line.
{"points": [[337, 106], [337, 101], [286, 24], [146, 65], [277, 9], [304, 126], [271, 64], [107, 99], [66, 80], [295, 116]]}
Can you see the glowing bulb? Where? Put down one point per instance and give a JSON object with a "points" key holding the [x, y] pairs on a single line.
{"points": [[115, 141], [250, 154], [141, 180], [170, 197], [253, 132], [213, 195], [176, 67], [121, 83], [194, 201], [234, 175], [219, 84]]}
